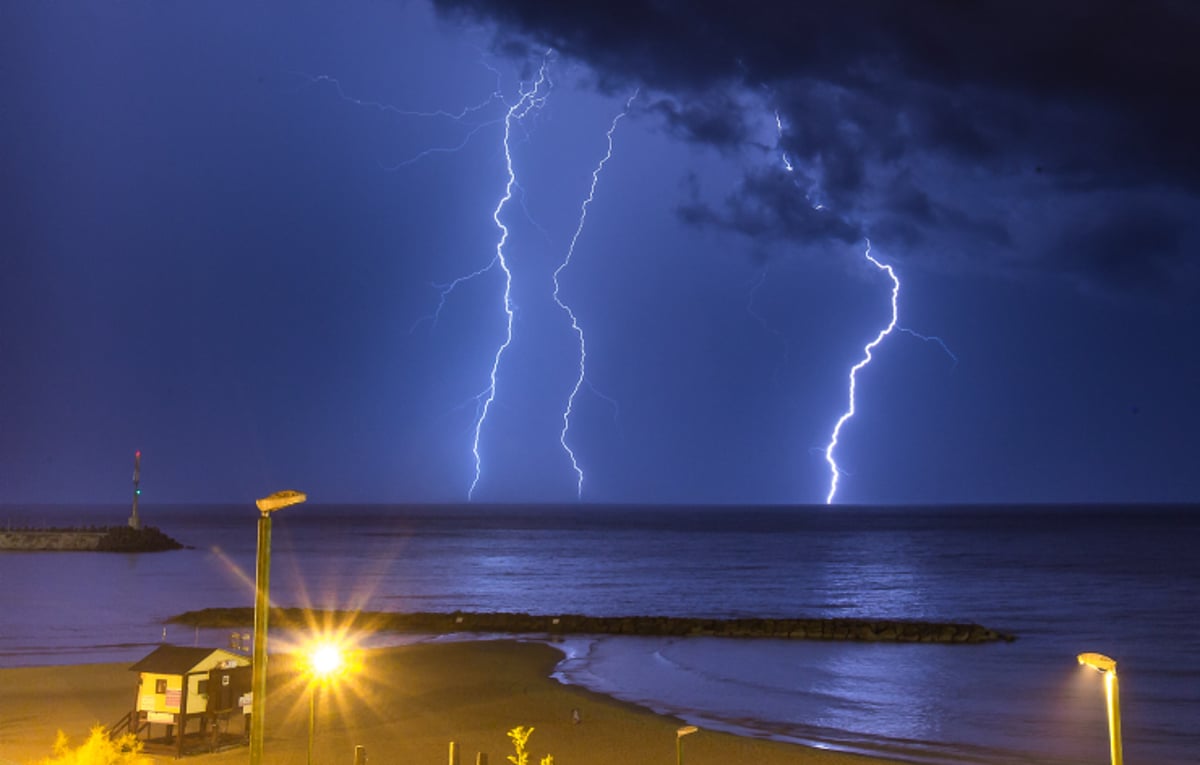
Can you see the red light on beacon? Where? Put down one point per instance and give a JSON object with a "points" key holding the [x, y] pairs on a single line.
{"points": [[138, 453]]}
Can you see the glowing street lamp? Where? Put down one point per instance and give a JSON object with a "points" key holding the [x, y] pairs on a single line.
{"points": [[686, 730], [262, 587], [324, 662], [1108, 667]]}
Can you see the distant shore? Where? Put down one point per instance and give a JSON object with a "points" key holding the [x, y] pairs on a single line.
{"points": [[405, 705]]}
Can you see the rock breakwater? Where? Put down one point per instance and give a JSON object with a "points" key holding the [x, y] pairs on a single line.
{"points": [[872, 630], [100, 539]]}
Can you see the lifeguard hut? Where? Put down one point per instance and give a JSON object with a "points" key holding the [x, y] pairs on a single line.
{"points": [[178, 685]]}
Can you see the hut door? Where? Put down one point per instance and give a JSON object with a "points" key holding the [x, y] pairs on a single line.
{"points": [[223, 691]]}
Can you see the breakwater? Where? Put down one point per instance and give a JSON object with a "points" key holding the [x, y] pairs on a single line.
{"points": [[97, 539], [874, 630], [50, 540]]}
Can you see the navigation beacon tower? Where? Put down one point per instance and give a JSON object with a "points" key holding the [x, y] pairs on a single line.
{"points": [[134, 521]]}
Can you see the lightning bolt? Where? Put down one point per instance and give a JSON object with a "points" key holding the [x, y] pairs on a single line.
{"points": [[892, 325], [787, 163], [837, 429], [530, 100], [575, 326], [495, 97], [752, 310], [931, 339], [444, 291], [531, 96], [380, 106]]}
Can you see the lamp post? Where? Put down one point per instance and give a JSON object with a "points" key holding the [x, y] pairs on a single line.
{"points": [[262, 586], [323, 662], [1108, 667], [686, 730]]}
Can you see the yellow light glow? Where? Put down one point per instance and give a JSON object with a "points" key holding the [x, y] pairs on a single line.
{"points": [[1098, 661], [1108, 667], [325, 660]]}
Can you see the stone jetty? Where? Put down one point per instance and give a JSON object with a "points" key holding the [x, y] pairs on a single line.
{"points": [[99, 539], [873, 630]]}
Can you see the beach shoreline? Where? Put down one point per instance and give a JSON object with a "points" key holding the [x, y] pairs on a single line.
{"points": [[405, 705]]}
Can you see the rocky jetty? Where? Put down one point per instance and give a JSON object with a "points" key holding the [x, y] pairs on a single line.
{"points": [[91, 539], [874, 630]]}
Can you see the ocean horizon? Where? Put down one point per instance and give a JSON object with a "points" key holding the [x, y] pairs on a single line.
{"points": [[1118, 579]]}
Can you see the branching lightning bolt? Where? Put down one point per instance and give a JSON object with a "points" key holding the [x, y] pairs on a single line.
{"points": [[583, 208], [444, 291], [529, 100], [752, 310], [892, 324], [787, 163], [931, 339], [388, 108], [837, 429], [461, 115], [496, 96]]}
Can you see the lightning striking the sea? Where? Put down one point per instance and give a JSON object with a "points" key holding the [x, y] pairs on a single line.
{"points": [[532, 96], [891, 325], [575, 326], [530, 100]]}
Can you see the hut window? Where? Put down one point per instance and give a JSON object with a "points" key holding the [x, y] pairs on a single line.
{"points": [[202, 687], [160, 686], [224, 679]]}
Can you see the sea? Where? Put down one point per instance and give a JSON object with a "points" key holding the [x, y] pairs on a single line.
{"points": [[1120, 580]]}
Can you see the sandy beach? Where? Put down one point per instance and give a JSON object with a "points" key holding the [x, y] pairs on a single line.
{"points": [[404, 705]]}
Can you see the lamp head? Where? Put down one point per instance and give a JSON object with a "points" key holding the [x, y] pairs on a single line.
{"points": [[686, 730], [1098, 661], [280, 499]]}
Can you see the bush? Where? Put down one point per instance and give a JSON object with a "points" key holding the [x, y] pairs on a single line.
{"points": [[520, 736], [99, 749]]}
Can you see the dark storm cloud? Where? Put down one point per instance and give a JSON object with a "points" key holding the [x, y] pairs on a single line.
{"points": [[765, 206], [1141, 249], [1130, 59], [1086, 96], [904, 202], [714, 118]]}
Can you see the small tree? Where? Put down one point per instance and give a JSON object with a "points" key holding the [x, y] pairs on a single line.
{"points": [[520, 736], [99, 749]]}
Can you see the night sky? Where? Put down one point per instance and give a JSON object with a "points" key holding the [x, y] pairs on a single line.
{"points": [[224, 225]]}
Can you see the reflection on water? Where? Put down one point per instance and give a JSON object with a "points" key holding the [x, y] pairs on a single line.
{"points": [[929, 703]]}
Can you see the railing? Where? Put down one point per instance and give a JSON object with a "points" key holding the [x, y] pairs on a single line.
{"points": [[121, 726]]}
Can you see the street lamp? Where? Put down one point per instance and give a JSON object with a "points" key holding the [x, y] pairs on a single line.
{"points": [[686, 730], [262, 587], [1108, 667], [324, 661]]}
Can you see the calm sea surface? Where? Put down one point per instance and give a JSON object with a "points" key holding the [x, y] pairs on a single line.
{"points": [[1124, 581]]}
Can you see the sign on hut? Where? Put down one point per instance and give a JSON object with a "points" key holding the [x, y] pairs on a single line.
{"points": [[178, 685]]}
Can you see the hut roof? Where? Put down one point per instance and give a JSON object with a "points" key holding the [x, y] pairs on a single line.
{"points": [[179, 660]]}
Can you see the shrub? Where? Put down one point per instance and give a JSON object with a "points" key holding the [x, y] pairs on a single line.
{"points": [[520, 736], [99, 749]]}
